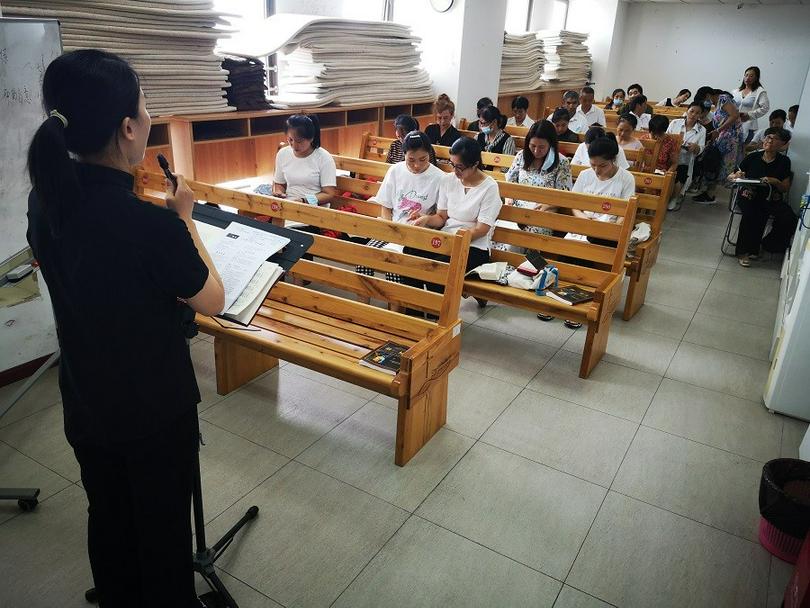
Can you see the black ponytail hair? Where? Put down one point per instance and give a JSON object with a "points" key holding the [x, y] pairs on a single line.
{"points": [[542, 129], [417, 140], [92, 91], [605, 146], [469, 151], [307, 126], [407, 122], [629, 118], [491, 113], [593, 133]]}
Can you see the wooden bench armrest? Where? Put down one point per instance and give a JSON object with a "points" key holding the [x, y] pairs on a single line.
{"points": [[432, 358], [647, 252], [608, 295]]}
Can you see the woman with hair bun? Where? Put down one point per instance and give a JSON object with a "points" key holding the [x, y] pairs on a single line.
{"points": [[442, 132]]}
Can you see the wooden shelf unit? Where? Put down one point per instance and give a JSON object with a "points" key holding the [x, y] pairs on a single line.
{"points": [[224, 146], [538, 100]]}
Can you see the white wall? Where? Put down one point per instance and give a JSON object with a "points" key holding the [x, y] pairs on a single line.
{"points": [[597, 18], [800, 148], [667, 46]]}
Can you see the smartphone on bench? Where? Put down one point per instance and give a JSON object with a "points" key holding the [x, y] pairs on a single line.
{"points": [[536, 260]]}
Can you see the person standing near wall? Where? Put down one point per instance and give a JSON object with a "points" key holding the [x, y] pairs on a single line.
{"points": [[752, 101], [726, 138]]}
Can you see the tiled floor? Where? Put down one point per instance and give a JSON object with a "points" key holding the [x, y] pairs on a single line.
{"points": [[636, 487]]}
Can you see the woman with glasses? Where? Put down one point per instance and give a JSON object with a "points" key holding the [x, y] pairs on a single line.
{"points": [[468, 200]]}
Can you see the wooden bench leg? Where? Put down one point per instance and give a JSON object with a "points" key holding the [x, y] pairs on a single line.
{"points": [[237, 365], [595, 345], [636, 293], [420, 419]]}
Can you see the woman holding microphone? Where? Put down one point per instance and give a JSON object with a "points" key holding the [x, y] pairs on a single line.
{"points": [[117, 269]]}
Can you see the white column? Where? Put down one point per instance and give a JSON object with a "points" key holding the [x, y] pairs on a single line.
{"points": [[461, 48]]}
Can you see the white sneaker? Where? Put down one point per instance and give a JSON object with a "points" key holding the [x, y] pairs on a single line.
{"points": [[675, 203]]}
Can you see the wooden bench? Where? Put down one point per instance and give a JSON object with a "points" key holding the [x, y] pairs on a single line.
{"points": [[653, 192], [605, 280], [329, 333]]}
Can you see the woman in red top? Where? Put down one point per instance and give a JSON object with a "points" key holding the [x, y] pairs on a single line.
{"points": [[668, 154]]}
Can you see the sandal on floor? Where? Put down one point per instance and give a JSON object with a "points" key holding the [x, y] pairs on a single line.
{"points": [[745, 262], [572, 324], [545, 318]]}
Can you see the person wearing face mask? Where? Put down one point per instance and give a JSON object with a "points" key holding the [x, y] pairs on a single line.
{"points": [[694, 140], [679, 100], [117, 268], [404, 124], [481, 105], [411, 185], [577, 121], [560, 120], [581, 156], [616, 100], [442, 132], [492, 137], [758, 203], [752, 101]]}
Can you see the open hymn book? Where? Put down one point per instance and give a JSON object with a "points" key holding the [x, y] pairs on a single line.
{"points": [[240, 253]]}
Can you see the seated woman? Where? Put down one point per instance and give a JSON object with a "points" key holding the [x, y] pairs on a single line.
{"points": [[469, 200], [758, 203], [604, 178], [679, 100], [560, 119], [404, 124], [480, 106], [520, 118], [668, 153], [409, 186], [540, 164], [624, 133], [305, 172], [616, 100], [442, 132], [581, 156], [694, 140], [492, 137]]}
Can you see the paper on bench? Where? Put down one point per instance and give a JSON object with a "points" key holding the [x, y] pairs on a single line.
{"points": [[250, 300], [238, 254]]}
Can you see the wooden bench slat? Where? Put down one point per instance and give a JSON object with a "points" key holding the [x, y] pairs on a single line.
{"points": [[592, 277], [555, 245], [339, 326], [366, 286], [564, 198], [310, 337], [355, 312], [356, 165], [559, 221], [358, 186], [382, 259], [369, 209], [523, 298], [291, 318]]}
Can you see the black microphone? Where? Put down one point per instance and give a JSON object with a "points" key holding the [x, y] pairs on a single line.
{"points": [[164, 164]]}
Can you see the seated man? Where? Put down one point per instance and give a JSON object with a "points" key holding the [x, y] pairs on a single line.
{"points": [[587, 112], [758, 202], [571, 102], [777, 120], [560, 120]]}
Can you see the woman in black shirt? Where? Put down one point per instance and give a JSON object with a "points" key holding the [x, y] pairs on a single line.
{"points": [[758, 202], [116, 268], [481, 105], [442, 132]]}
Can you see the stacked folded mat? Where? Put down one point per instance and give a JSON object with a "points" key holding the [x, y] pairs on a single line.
{"points": [[567, 60], [169, 43], [248, 90], [522, 63], [324, 60]]}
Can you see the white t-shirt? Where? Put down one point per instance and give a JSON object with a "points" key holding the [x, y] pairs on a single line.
{"points": [[481, 203], [581, 157], [403, 191], [621, 185], [578, 122], [633, 145], [527, 122], [643, 121], [593, 116], [304, 176], [760, 134]]}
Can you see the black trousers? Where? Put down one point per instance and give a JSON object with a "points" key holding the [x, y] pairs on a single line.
{"points": [[754, 218], [139, 524]]}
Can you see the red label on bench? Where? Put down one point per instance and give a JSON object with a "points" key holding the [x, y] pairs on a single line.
{"points": [[373, 142], [275, 206], [145, 179], [606, 206], [497, 159], [647, 181], [436, 242]]}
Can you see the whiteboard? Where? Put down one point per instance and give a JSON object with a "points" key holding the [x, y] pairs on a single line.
{"points": [[27, 46]]}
